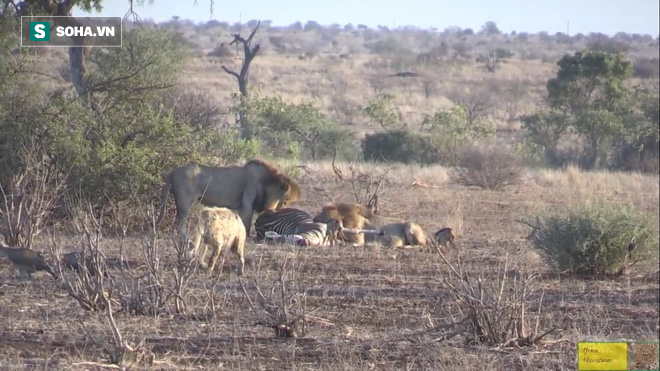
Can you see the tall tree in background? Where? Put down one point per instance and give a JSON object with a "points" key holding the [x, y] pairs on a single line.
{"points": [[80, 51], [590, 87], [249, 52], [77, 53]]}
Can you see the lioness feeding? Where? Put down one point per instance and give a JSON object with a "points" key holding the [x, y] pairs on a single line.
{"points": [[353, 216], [255, 187]]}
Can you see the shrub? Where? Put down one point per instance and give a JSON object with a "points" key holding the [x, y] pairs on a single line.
{"points": [[595, 239], [646, 68], [463, 124], [399, 146], [290, 130], [221, 51], [119, 150], [381, 110], [641, 155], [503, 53], [491, 168], [231, 149], [608, 45]]}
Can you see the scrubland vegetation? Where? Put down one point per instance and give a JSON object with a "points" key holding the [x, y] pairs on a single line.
{"points": [[540, 151]]}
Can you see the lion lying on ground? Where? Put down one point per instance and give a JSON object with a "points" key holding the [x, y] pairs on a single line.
{"points": [[401, 234], [255, 187]]}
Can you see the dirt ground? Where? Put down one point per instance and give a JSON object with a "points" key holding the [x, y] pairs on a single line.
{"points": [[359, 308]]}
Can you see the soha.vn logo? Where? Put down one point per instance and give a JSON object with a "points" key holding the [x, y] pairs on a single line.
{"points": [[40, 31]]}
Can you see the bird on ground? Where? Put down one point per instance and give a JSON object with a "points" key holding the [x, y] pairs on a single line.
{"points": [[74, 260], [26, 261]]}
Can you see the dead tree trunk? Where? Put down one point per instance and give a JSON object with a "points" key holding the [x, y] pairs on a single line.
{"points": [[77, 53], [492, 62], [249, 53]]}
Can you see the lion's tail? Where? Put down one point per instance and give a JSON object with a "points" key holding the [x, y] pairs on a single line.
{"points": [[164, 192]]}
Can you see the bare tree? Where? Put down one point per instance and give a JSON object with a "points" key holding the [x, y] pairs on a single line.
{"points": [[249, 52], [78, 53], [492, 62], [476, 103], [515, 93], [429, 86], [27, 202]]}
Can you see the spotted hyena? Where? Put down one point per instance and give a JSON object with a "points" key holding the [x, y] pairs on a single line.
{"points": [[219, 228]]}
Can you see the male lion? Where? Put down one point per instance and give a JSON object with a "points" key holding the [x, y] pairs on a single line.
{"points": [[256, 186], [220, 228], [353, 216], [402, 234]]}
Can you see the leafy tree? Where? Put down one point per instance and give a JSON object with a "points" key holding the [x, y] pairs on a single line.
{"points": [[120, 149], [490, 28], [381, 110], [402, 146], [599, 126], [63, 10], [589, 80], [618, 126], [636, 146], [134, 72], [25, 111], [312, 26], [649, 104], [278, 125], [546, 128], [453, 127], [589, 88]]}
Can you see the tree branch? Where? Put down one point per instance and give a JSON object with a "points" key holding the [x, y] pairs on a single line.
{"points": [[105, 85], [231, 72], [249, 40], [246, 43]]}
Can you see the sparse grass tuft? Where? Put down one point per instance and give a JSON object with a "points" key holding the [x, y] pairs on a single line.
{"points": [[495, 313]]}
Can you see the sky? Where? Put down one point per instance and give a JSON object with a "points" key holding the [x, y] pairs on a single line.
{"points": [[583, 16]]}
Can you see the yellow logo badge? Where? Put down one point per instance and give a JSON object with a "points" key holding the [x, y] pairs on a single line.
{"points": [[595, 356]]}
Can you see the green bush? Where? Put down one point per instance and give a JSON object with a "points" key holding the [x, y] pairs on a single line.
{"points": [[230, 149], [595, 239], [381, 110], [453, 129], [295, 131], [128, 159], [25, 111], [399, 146], [119, 147]]}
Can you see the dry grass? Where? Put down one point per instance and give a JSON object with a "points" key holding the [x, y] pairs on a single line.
{"points": [[297, 80], [342, 86], [359, 308], [341, 79]]}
